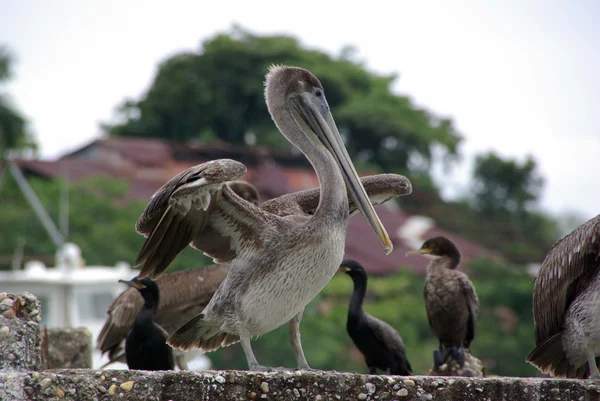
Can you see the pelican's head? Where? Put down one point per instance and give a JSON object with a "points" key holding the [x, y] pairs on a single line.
{"points": [[297, 103], [245, 190]]}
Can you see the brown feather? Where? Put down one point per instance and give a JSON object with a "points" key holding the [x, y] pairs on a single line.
{"points": [[569, 268], [184, 295]]}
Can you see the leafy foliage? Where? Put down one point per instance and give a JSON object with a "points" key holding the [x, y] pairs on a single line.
{"points": [[99, 226], [504, 185], [13, 126], [218, 93]]}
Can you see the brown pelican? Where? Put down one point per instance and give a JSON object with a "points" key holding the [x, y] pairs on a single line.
{"points": [[450, 300], [146, 346], [184, 295], [281, 256], [379, 342], [566, 306]]}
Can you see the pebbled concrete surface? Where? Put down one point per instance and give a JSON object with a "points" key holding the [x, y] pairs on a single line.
{"points": [[20, 378], [67, 348], [293, 385], [20, 337]]}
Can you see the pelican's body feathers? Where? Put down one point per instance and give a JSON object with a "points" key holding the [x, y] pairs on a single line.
{"points": [[566, 305], [280, 255]]}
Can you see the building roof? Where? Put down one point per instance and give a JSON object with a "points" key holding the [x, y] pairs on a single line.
{"points": [[148, 163]]}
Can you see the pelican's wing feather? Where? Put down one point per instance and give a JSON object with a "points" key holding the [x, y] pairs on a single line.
{"points": [[380, 188], [569, 265], [183, 295], [190, 203]]}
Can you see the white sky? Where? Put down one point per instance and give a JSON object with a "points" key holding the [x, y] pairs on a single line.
{"points": [[517, 77]]}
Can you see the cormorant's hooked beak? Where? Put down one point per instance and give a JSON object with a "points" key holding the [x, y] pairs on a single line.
{"points": [[343, 269], [315, 115], [422, 251], [133, 284]]}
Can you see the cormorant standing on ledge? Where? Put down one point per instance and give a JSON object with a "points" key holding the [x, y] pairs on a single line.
{"points": [[146, 345], [379, 342], [450, 300]]}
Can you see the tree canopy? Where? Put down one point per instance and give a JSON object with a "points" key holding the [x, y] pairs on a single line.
{"points": [[505, 184], [217, 92], [14, 134]]}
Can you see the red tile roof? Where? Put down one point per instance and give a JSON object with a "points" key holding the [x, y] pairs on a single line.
{"points": [[148, 163]]}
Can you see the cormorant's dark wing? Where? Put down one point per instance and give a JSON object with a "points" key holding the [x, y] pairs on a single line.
{"points": [[389, 336], [472, 302]]}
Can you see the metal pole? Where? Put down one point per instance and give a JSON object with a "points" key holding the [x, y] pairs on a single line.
{"points": [[64, 201], [29, 193]]}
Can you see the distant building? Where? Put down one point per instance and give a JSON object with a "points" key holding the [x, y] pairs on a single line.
{"points": [[75, 295], [148, 163]]}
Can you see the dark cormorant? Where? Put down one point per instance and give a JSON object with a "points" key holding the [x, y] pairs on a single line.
{"points": [[183, 295], [450, 300], [146, 346], [566, 306], [379, 342]]}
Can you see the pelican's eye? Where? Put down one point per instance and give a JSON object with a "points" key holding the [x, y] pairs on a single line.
{"points": [[318, 92]]}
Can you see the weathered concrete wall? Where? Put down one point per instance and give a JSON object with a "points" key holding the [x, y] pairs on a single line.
{"points": [[20, 357], [295, 385], [67, 348], [20, 337]]}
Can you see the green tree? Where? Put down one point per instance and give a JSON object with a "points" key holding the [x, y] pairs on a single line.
{"points": [[100, 224], [217, 92], [13, 126], [505, 184]]}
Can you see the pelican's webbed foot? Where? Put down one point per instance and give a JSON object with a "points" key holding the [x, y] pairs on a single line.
{"points": [[262, 368]]}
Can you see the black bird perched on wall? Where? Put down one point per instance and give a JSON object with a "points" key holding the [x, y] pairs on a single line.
{"points": [[183, 295], [379, 342], [450, 300], [146, 346], [566, 306]]}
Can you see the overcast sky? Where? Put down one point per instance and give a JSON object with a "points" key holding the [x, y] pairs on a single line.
{"points": [[517, 77]]}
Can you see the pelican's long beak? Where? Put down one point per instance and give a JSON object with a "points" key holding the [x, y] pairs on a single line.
{"points": [[318, 118], [422, 251], [133, 284]]}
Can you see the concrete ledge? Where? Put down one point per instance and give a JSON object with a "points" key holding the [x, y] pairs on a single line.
{"points": [[20, 337], [294, 385], [67, 348]]}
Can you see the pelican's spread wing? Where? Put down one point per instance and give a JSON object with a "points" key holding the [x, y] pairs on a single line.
{"points": [[191, 203], [570, 264], [380, 188], [183, 295], [121, 314]]}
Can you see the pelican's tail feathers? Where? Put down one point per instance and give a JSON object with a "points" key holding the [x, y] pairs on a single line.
{"points": [[203, 334]]}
